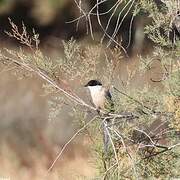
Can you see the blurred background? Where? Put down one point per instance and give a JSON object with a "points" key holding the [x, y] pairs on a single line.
{"points": [[55, 20]]}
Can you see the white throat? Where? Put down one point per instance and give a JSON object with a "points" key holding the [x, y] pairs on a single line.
{"points": [[97, 95], [95, 90]]}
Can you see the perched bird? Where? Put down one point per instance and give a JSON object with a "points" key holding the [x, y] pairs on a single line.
{"points": [[102, 99]]}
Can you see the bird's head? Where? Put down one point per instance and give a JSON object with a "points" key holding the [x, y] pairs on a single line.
{"points": [[92, 83], [95, 87]]}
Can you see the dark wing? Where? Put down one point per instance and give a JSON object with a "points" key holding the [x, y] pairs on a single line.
{"points": [[108, 94], [109, 105]]}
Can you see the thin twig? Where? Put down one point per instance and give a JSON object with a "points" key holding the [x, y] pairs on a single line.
{"points": [[70, 140]]}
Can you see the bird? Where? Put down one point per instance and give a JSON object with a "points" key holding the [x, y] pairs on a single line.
{"points": [[101, 96], [102, 100]]}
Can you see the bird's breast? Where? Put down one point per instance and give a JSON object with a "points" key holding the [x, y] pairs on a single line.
{"points": [[98, 99]]}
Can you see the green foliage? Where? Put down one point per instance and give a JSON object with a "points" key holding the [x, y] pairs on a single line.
{"points": [[166, 164], [160, 31], [79, 62], [173, 83]]}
